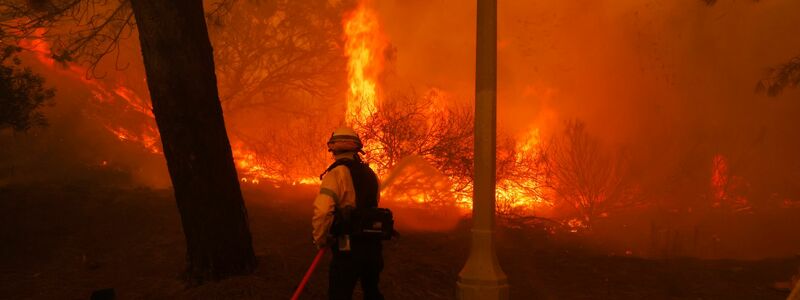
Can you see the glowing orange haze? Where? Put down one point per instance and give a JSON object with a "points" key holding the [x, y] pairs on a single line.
{"points": [[364, 47]]}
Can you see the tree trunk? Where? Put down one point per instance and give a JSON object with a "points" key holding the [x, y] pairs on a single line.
{"points": [[183, 87]]}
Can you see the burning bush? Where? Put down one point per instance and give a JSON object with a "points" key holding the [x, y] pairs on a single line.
{"points": [[420, 124], [412, 123], [583, 174]]}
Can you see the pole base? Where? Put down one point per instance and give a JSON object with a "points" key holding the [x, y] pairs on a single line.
{"points": [[483, 290], [482, 278]]}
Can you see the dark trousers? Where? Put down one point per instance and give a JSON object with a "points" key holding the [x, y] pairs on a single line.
{"points": [[363, 263]]}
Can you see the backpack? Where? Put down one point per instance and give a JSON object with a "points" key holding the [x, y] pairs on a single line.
{"points": [[366, 220]]}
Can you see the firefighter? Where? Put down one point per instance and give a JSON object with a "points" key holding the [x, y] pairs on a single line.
{"points": [[345, 183]]}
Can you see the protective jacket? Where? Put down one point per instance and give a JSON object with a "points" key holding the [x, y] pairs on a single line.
{"points": [[336, 191]]}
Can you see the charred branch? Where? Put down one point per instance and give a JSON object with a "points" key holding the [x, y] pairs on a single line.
{"points": [[274, 53], [80, 30]]}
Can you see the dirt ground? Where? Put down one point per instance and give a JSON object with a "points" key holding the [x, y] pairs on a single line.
{"points": [[64, 241]]}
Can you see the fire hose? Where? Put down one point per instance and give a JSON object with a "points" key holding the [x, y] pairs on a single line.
{"points": [[308, 274]]}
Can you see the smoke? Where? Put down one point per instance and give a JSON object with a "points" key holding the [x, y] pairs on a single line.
{"points": [[671, 84], [419, 196], [652, 74], [604, 61]]}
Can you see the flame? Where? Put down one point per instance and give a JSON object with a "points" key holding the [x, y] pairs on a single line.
{"points": [[719, 179], [36, 44], [134, 101], [522, 194], [526, 192], [148, 140], [363, 46], [575, 224], [727, 189], [252, 168]]}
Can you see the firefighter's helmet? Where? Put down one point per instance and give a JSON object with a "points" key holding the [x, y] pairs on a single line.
{"points": [[344, 139]]}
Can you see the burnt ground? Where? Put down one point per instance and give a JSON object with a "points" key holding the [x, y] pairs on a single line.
{"points": [[64, 241]]}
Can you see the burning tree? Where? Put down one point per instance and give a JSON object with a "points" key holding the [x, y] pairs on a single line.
{"points": [[412, 123], [521, 175], [583, 174], [421, 124]]}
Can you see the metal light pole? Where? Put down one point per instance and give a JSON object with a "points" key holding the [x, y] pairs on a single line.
{"points": [[482, 278]]}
